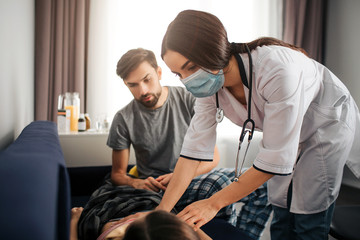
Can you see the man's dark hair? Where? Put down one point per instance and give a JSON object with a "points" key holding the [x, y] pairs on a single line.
{"points": [[132, 59]]}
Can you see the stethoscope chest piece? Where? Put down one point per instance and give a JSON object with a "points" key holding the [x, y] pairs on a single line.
{"points": [[219, 112], [219, 115]]}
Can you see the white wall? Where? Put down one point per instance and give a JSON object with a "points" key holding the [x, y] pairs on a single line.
{"points": [[16, 67], [343, 51]]}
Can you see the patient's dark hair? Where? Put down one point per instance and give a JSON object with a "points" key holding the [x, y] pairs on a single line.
{"points": [[202, 38], [132, 59], [160, 225]]}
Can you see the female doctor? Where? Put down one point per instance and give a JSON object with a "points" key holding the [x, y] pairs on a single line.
{"points": [[308, 118]]}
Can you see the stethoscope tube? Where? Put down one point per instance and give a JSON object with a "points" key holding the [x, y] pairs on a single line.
{"points": [[249, 121]]}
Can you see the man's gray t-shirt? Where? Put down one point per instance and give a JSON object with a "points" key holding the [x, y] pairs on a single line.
{"points": [[156, 134]]}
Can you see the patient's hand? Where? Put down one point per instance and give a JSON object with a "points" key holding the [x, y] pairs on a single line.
{"points": [[164, 179], [149, 184]]}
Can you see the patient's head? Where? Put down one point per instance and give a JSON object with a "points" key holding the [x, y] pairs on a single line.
{"points": [[160, 225]]}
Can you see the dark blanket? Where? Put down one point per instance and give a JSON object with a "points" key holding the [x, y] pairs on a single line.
{"points": [[109, 202]]}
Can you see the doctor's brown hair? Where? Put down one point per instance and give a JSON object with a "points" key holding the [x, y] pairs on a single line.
{"points": [[160, 225], [132, 59], [202, 38]]}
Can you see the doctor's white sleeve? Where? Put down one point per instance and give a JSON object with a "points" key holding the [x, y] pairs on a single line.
{"points": [[283, 88], [200, 138]]}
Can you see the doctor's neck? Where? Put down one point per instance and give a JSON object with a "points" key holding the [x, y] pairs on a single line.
{"points": [[233, 80]]}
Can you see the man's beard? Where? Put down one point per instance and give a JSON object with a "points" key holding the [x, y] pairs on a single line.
{"points": [[152, 102]]}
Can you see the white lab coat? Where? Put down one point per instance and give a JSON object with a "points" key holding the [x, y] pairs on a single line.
{"points": [[309, 122]]}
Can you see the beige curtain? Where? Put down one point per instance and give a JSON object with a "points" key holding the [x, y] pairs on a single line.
{"points": [[304, 25], [61, 30]]}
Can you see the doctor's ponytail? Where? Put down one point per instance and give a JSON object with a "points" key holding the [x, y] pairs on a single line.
{"points": [[264, 41]]}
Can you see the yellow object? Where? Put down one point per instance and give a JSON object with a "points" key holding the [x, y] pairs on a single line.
{"points": [[88, 121], [133, 171], [74, 116]]}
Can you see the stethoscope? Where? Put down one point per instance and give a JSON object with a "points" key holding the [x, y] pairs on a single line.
{"points": [[220, 113]]}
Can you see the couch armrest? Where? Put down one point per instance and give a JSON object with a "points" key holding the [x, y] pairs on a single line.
{"points": [[34, 183]]}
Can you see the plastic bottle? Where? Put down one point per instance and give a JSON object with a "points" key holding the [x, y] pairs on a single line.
{"points": [[81, 123], [63, 120], [106, 125]]}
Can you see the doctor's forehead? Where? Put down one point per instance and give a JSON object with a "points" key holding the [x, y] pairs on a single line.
{"points": [[175, 60]]}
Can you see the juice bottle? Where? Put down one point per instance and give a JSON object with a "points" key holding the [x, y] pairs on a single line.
{"points": [[72, 103]]}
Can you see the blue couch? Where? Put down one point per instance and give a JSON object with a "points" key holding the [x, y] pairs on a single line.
{"points": [[34, 186], [37, 190]]}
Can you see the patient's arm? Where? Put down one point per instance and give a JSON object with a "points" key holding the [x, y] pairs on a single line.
{"points": [[203, 235], [75, 216], [120, 160]]}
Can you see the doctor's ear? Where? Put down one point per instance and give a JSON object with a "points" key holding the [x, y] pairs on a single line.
{"points": [[159, 72]]}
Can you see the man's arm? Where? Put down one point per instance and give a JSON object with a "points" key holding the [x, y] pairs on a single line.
{"points": [[120, 161]]}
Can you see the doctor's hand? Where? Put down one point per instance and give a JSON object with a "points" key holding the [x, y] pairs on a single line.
{"points": [[198, 213]]}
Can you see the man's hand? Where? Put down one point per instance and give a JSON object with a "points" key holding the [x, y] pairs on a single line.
{"points": [[160, 183], [164, 179], [198, 213], [149, 184]]}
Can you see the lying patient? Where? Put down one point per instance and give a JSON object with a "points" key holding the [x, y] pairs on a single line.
{"points": [[156, 225], [110, 202]]}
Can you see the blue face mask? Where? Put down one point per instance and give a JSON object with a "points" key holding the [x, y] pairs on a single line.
{"points": [[204, 84]]}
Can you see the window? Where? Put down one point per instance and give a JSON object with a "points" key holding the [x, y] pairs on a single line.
{"points": [[117, 26]]}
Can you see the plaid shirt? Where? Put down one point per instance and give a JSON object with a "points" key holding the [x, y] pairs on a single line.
{"points": [[252, 217]]}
